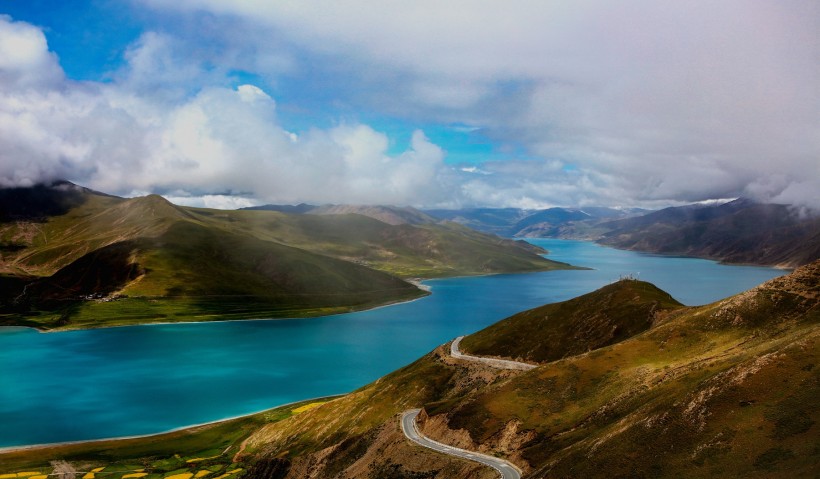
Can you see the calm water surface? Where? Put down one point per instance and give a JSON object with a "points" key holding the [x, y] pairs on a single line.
{"points": [[114, 382]]}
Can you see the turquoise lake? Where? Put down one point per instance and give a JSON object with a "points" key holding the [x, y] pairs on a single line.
{"points": [[113, 382]]}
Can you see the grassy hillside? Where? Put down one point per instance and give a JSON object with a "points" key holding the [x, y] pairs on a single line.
{"points": [[724, 390], [195, 272], [408, 251], [554, 331], [77, 258], [392, 215]]}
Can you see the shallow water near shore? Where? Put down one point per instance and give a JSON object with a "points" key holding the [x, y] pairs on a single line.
{"points": [[125, 381]]}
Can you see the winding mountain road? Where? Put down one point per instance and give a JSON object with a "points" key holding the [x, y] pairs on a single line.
{"points": [[496, 363], [411, 430]]}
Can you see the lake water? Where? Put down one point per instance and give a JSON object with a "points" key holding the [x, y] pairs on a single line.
{"points": [[113, 382]]}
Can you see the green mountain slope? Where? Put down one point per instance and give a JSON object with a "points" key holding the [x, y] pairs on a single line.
{"points": [[393, 215], [409, 251], [388, 214], [78, 258], [554, 331]]}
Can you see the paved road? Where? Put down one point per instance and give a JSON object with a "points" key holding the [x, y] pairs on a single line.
{"points": [[496, 363], [411, 430]]}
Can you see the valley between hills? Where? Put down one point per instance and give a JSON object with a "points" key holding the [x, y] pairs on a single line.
{"points": [[627, 383], [71, 257]]}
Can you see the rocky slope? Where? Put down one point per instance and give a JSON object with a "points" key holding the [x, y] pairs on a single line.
{"points": [[741, 231]]}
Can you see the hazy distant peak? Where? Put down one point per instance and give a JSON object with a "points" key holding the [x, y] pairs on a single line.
{"points": [[393, 215]]}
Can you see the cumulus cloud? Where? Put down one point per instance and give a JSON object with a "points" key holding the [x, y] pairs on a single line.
{"points": [[25, 61], [219, 146], [676, 101]]}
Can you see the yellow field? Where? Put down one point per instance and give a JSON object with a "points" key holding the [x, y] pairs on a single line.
{"points": [[197, 459], [92, 474], [227, 474], [306, 407]]}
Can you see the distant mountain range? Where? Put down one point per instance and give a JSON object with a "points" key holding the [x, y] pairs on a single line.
{"points": [[740, 231], [73, 257], [544, 223], [506, 222]]}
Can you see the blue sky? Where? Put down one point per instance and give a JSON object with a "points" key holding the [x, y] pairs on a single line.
{"points": [[91, 46], [88, 37], [525, 103]]}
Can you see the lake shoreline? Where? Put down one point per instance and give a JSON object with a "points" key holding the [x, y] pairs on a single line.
{"points": [[425, 290], [156, 435]]}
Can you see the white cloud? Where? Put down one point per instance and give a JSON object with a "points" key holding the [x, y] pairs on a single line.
{"points": [[253, 94], [219, 202], [230, 140], [474, 169], [638, 102], [121, 138], [800, 193], [677, 101], [24, 57]]}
